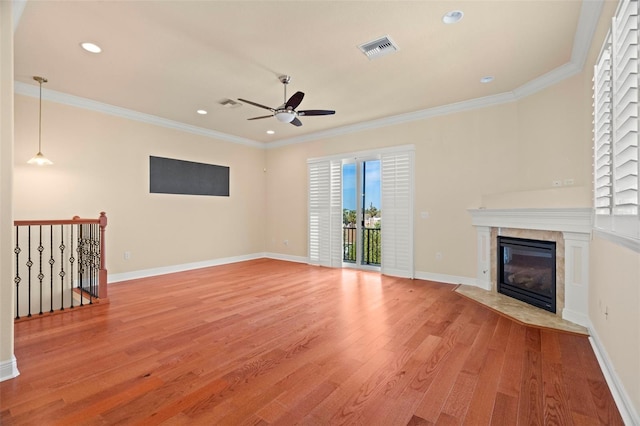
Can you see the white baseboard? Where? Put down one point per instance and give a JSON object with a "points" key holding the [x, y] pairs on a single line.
{"points": [[623, 401], [9, 369], [575, 317], [286, 257], [144, 273], [447, 279]]}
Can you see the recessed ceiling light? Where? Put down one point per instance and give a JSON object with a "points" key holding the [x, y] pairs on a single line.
{"points": [[452, 17], [91, 47], [270, 132], [487, 79], [202, 112]]}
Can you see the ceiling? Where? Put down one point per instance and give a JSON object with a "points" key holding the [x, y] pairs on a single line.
{"points": [[171, 58]]}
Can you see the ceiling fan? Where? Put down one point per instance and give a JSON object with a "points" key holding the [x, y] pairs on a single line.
{"points": [[286, 112]]}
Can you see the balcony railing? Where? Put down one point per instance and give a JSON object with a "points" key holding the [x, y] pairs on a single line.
{"points": [[59, 264], [370, 247]]}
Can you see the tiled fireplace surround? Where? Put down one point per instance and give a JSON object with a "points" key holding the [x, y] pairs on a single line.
{"points": [[570, 228]]}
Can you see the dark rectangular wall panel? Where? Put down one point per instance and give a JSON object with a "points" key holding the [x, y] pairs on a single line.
{"points": [[169, 176]]}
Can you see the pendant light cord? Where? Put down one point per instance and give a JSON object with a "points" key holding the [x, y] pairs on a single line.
{"points": [[40, 120]]}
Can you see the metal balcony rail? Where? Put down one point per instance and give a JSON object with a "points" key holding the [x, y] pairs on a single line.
{"points": [[59, 264], [370, 246]]}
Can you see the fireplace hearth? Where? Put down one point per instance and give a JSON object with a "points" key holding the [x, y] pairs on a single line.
{"points": [[527, 271]]}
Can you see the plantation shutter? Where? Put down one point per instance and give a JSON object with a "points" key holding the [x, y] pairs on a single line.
{"points": [[396, 171], [602, 99], [325, 213], [615, 126], [319, 219], [625, 109], [336, 214]]}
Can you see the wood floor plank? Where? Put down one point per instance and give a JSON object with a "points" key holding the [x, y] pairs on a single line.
{"points": [[273, 342], [530, 408]]}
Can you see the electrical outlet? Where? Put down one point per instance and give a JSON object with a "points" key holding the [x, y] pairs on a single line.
{"points": [[127, 255], [439, 255], [424, 215], [285, 242], [556, 183], [568, 182]]}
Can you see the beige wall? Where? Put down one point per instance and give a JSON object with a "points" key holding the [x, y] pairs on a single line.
{"points": [[6, 172], [101, 163], [459, 158], [614, 309]]}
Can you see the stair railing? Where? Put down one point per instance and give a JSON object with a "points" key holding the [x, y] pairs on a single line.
{"points": [[59, 264]]}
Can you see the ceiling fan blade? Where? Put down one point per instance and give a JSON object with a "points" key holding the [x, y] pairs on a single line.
{"points": [[294, 100], [296, 122], [316, 112], [255, 104], [262, 116]]}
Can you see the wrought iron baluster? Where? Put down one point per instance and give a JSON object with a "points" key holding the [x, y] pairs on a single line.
{"points": [[91, 263], [80, 262], [29, 265], [51, 263], [61, 273], [71, 260], [40, 274], [17, 278]]}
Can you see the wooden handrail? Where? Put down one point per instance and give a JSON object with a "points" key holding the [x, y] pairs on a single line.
{"points": [[102, 221]]}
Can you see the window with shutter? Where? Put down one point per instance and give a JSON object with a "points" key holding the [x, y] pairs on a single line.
{"points": [[615, 111]]}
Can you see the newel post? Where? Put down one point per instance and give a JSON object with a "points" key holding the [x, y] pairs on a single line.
{"points": [[102, 285]]}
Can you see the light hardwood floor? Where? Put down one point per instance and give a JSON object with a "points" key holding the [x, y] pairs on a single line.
{"points": [[267, 341]]}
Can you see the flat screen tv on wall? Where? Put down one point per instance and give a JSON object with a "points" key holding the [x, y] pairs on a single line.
{"points": [[170, 176]]}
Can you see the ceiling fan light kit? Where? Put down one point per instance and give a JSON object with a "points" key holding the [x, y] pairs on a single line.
{"points": [[286, 116], [286, 113]]}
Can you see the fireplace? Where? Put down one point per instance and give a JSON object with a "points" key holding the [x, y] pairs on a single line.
{"points": [[527, 271]]}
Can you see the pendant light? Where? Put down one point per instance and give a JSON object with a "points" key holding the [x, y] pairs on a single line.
{"points": [[39, 158]]}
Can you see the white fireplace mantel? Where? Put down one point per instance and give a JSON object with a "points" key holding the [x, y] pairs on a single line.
{"points": [[577, 220], [575, 225]]}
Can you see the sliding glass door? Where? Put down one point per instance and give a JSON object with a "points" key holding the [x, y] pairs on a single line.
{"points": [[349, 195], [361, 214]]}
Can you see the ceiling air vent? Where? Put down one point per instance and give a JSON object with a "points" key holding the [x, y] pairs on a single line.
{"points": [[229, 103], [380, 47]]}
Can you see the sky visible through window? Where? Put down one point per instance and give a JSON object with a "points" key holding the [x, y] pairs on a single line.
{"points": [[371, 185]]}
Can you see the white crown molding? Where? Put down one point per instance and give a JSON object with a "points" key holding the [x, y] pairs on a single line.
{"points": [[589, 16], [84, 103], [578, 220], [18, 7], [547, 80], [587, 24], [399, 119]]}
